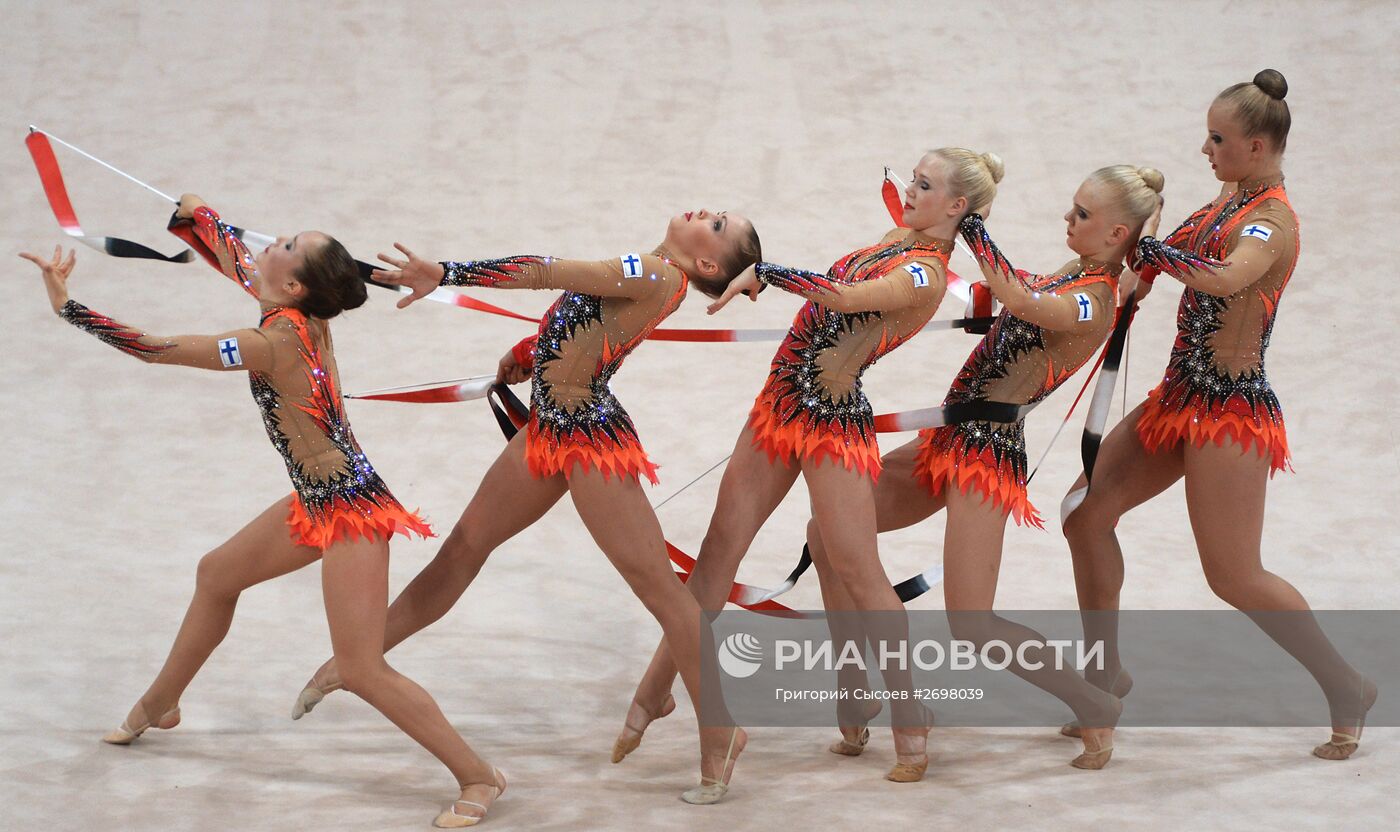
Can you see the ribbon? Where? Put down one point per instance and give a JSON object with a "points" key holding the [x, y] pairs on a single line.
{"points": [[907, 589], [51, 177]]}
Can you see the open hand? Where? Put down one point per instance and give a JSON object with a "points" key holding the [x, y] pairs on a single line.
{"points": [[56, 273], [746, 283], [420, 276]]}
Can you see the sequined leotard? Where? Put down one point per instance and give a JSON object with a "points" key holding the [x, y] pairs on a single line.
{"points": [[1215, 386], [1051, 325], [294, 381], [869, 302], [607, 309]]}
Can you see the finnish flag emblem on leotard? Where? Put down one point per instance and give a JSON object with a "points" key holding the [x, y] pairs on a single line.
{"points": [[631, 265], [1086, 306], [228, 352], [920, 274], [1259, 231]]}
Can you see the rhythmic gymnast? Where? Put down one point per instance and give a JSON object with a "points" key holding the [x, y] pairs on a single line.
{"points": [[1214, 406], [813, 418], [341, 513], [1050, 326], [579, 439]]}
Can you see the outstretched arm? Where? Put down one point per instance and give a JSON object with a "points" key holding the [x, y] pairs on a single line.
{"points": [[237, 350], [199, 225], [242, 349], [898, 287], [632, 276]]}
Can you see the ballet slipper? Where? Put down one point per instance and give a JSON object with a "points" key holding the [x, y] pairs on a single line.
{"points": [[848, 747], [631, 735], [911, 760], [450, 818], [1339, 747], [1343, 744], [1093, 760], [1120, 686], [312, 695], [712, 790], [125, 734], [1101, 735]]}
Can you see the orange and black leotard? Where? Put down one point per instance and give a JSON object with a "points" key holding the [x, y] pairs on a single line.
{"points": [[1049, 326], [869, 302], [607, 309], [1215, 386], [294, 381]]}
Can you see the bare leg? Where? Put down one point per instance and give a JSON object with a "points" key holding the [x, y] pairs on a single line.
{"points": [[623, 524], [972, 552], [260, 551], [355, 582], [508, 501], [752, 487], [900, 501], [843, 504], [1125, 476], [1225, 487], [852, 715]]}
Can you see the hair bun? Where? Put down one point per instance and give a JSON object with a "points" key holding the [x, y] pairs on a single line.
{"points": [[994, 165], [1153, 178], [1272, 82]]}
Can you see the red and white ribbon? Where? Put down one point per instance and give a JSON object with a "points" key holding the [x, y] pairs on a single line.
{"points": [[51, 177], [456, 390]]}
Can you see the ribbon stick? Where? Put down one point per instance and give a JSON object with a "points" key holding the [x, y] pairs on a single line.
{"points": [[457, 390], [44, 133]]}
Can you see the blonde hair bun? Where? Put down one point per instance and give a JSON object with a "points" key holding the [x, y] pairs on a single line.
{"points": [[973, 175], [994, 166], [1135, 191], [1153, 178]]}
